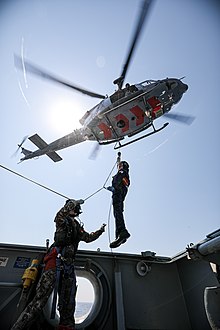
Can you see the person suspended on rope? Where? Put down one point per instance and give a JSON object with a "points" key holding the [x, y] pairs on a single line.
{"points": [[58, 273], [119, 189]]}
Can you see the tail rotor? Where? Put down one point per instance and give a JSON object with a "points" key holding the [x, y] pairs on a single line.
{"points": [[20, 145]]}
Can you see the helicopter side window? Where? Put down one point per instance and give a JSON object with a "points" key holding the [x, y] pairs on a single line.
{"points": [[129, 89], [117, 95]]}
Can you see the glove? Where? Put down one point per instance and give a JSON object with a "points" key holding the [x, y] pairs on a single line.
{"points": [[76, 201], [110, 188], [80, 201], [103, 227]]}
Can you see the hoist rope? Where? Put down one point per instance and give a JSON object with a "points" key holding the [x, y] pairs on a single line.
{"points": [[93, 194], [108, 222], [40, 185], [103, 184], [55, 192]]}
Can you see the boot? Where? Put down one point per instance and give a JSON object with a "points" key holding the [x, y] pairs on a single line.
{"points": [[122, 238], [124, 234]]}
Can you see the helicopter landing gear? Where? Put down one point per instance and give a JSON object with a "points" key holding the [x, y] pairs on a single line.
{"points": [[141, 137]]}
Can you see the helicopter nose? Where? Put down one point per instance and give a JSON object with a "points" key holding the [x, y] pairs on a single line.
{"points": [[185, 87]]}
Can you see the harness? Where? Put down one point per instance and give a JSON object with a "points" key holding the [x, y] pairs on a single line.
{"points": [[66, 268], [56, 287]]}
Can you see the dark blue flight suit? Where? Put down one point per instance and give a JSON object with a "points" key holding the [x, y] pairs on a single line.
{"points": [[119, 189], [118, 197]]}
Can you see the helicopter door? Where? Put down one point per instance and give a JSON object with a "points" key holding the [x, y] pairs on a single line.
{"points": [[156, 106], [124, 120]]}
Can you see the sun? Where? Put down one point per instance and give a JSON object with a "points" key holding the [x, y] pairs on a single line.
{"points": [[63, 117]]}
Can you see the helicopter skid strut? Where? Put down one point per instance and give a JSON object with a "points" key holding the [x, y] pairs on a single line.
{"points": [[141, 137]]}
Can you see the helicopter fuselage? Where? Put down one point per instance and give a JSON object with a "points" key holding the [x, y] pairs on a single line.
{"points": [[127, 112]]}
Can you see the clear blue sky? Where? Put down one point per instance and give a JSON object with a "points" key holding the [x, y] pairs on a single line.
{"points": [[174, 197]]}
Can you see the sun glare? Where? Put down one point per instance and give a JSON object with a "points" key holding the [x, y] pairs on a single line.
{"points": [[64, 116]]}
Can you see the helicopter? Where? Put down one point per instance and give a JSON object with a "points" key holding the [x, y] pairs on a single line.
{"points": [[127, 112]]}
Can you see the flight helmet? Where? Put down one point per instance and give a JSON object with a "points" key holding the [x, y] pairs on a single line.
{"points": [[74, 205], [124, 165]]}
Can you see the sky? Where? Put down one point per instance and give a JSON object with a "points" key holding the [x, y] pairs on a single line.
{"points": [[174, 195]]}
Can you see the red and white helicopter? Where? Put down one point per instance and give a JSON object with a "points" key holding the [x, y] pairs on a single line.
{"points": [[128, 111]]}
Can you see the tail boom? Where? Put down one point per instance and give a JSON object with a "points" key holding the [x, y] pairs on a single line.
{"points": [[77, 136]]}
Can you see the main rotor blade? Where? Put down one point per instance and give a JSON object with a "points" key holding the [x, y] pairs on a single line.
{"points": [[95, 151], [142, 17], [33, 69], [185, 119]]}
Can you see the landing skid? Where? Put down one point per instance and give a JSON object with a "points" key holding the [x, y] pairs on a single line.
{"points": [[109, 142], [141, 137]]}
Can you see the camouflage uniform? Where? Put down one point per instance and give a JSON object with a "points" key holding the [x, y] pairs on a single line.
{"points": [[69, 232]]}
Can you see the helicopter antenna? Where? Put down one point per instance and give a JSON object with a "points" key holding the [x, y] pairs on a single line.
{"points": [[142, 17]]}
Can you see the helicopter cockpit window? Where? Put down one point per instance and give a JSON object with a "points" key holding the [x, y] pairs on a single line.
{"points": [[171, 85], [139, 87]]}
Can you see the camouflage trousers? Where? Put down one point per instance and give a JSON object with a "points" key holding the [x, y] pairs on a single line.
{"points": [[45, 286], [43, 291], [67, 294]]}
